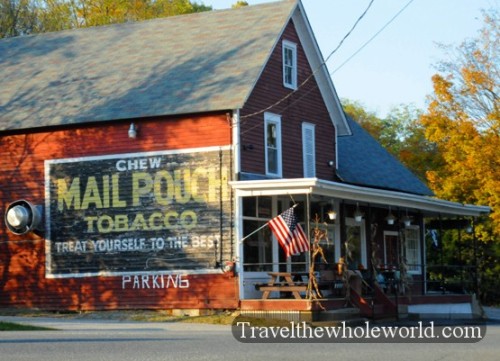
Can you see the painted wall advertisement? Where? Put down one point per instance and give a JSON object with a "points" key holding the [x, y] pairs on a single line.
{"points": [[141, 212]]}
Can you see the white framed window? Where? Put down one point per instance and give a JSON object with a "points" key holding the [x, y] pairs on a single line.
{"points": [[412, 249], [355, 243], [289, 64], [272, 141], [309, 150]]}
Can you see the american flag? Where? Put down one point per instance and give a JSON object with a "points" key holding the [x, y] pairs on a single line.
{"points": [[289, 233]]}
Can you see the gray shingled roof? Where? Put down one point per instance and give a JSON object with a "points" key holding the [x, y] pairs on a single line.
{"points": [[185, 64], [363, 161]]}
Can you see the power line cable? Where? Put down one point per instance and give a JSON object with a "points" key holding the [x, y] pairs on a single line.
{"points": [[373, 37]]}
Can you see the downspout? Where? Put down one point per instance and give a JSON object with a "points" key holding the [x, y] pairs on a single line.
{"points": [[238, 225]]}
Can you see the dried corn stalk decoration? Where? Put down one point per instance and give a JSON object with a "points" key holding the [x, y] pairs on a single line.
{"points": [[313, 292]]}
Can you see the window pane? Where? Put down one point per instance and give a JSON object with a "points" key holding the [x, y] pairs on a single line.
{"points": [[257, 249], [288, 75], [288, 56], [272, 161], [249, 206], [412, 249], [271, 135], [265, 207]]}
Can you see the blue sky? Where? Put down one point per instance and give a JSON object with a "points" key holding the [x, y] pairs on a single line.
{"points": [[396, 66]]}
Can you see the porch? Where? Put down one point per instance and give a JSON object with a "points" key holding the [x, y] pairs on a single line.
{"points": [[460, 306], [374, 231]]}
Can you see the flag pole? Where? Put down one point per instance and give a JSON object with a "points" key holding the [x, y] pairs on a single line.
{"points": [[264, 225]]}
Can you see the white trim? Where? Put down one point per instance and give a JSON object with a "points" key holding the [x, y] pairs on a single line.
{"points": [[270, 118], [236, 141], [309, 159], [317, 186], [136, 155], [288, 45]]}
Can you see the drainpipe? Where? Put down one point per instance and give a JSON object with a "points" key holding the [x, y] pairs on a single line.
{"points": [[238, 225]]}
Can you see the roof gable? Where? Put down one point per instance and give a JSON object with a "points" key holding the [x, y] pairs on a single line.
{"points": [[184, 64], [363, 161]]}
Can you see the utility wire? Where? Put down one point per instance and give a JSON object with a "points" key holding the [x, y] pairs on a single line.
{"points": [[316, 70], [373, 37]]}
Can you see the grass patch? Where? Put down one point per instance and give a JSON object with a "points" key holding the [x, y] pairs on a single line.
{"points": [[9, 326]]}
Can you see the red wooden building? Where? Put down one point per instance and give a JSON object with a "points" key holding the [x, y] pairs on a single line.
{"points": [[136, 158]]}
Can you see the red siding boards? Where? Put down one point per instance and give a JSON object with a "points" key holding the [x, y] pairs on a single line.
{"points": [[306, 105], [22, 258]]}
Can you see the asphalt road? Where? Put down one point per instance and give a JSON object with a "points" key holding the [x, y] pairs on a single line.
{"points": [[120, 341]]}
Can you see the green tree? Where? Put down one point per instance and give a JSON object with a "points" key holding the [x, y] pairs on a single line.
{"points": [[17, 17]]}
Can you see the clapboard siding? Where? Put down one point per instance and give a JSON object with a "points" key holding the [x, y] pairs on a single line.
{"points": [[23, 281], [306, 105]]}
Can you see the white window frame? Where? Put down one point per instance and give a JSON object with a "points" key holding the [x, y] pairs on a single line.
{"points": [[412, 247], [288, 45], [351, 222], [309, 149], [270, 118]]}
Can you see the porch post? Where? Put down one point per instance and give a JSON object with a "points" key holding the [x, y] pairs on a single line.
{"points": [[441, 253], [476, 273], [308, 227], [423, 255]]}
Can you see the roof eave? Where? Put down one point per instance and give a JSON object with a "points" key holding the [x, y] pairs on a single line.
{"points": [[429, 206]]}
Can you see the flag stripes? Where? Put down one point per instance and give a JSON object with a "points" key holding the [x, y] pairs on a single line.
{"points": [[289, 233]]}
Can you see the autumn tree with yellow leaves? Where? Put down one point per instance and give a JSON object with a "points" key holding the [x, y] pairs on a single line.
{"points": [[463, 120]]}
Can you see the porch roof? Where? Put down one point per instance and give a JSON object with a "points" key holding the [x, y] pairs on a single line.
{"points": [[314, 186]]}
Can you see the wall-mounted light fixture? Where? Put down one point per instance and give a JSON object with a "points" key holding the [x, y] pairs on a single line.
{"points": [[391, 218], [358, 215], [331, 163], [132, 131], [22, 217]]}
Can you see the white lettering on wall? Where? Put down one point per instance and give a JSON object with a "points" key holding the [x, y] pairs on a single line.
{"points": [[155, 281]]}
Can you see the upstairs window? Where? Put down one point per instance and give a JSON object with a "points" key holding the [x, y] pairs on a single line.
{"points": [[309, 150], [289, 64], [273, 144]]}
